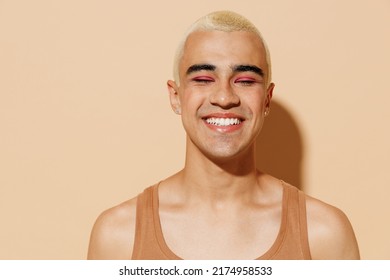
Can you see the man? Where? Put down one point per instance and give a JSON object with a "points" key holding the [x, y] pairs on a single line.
{"points": [[219, 206]]}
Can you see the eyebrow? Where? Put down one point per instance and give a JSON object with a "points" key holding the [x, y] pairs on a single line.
{"points": [[200, 67], [250, 68]]}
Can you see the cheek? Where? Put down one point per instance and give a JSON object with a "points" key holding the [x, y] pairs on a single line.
{"points": [[255, 102], [191, 101]]}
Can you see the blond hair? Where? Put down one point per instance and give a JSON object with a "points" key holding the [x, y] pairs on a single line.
{"points": [[225, 21]]}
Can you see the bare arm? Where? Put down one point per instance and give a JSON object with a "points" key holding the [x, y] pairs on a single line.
{"points": [[331, 235], [112, 236]]}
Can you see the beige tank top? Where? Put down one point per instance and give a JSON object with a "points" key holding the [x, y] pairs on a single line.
{"points": [[291, 242]]}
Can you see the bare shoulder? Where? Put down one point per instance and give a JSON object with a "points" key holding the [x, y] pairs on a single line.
{"points": [[113, 233], [331, 235]]}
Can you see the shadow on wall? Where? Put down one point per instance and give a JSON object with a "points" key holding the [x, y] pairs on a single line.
{"points": [[279, 147]]}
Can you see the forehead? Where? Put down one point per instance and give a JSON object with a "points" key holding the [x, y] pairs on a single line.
{"points": [[223, 49]]}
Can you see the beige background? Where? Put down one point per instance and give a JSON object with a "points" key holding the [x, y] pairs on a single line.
{"points": [[85, 121]]}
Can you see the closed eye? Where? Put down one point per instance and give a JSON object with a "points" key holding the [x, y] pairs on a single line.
{"points": [[245, 81], [203, 79]]}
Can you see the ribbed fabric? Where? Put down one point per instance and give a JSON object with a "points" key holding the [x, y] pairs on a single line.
{"points": [[291, 242]]}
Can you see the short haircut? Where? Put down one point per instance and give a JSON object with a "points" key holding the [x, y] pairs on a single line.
{"points": [[225, 21]]}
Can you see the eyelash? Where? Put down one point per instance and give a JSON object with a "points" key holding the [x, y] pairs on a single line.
{"points": [[245, 82], [204, 80]]}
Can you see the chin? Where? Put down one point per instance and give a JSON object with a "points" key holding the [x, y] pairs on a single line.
{"points": [[223, 151], [226, 154]]}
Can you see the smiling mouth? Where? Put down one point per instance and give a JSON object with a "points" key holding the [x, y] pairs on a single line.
{"points": [[223, 121]]}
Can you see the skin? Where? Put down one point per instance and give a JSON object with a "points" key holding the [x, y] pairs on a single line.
{"points": [[219, 192]]}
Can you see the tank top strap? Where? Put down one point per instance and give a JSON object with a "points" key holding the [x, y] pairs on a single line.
{"points": [[303, 226], [146, 245], [295, 244]]}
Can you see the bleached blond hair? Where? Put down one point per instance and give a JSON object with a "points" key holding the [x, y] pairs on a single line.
{"points": [[225, 21]]}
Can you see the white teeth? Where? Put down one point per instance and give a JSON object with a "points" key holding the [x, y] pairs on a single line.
{"points": [[223, 121]]}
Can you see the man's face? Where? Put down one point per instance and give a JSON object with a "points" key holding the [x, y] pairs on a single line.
{"points": [[223, 92]]}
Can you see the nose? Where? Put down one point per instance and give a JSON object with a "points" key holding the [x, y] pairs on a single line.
{"points": [[224, 96]]}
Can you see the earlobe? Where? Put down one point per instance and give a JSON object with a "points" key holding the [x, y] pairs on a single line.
{"points": [[174, 96]]}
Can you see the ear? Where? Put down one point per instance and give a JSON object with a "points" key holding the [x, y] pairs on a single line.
{"points": [[270, 91], [173, 90]]}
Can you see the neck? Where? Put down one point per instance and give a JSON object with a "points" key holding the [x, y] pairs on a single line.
{"points": [[219, 179]]}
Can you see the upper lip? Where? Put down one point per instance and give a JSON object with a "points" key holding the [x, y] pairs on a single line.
{"points": [[224, 115]]}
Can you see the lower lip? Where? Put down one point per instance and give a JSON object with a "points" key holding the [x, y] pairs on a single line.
{"points": [[224, 129]]}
